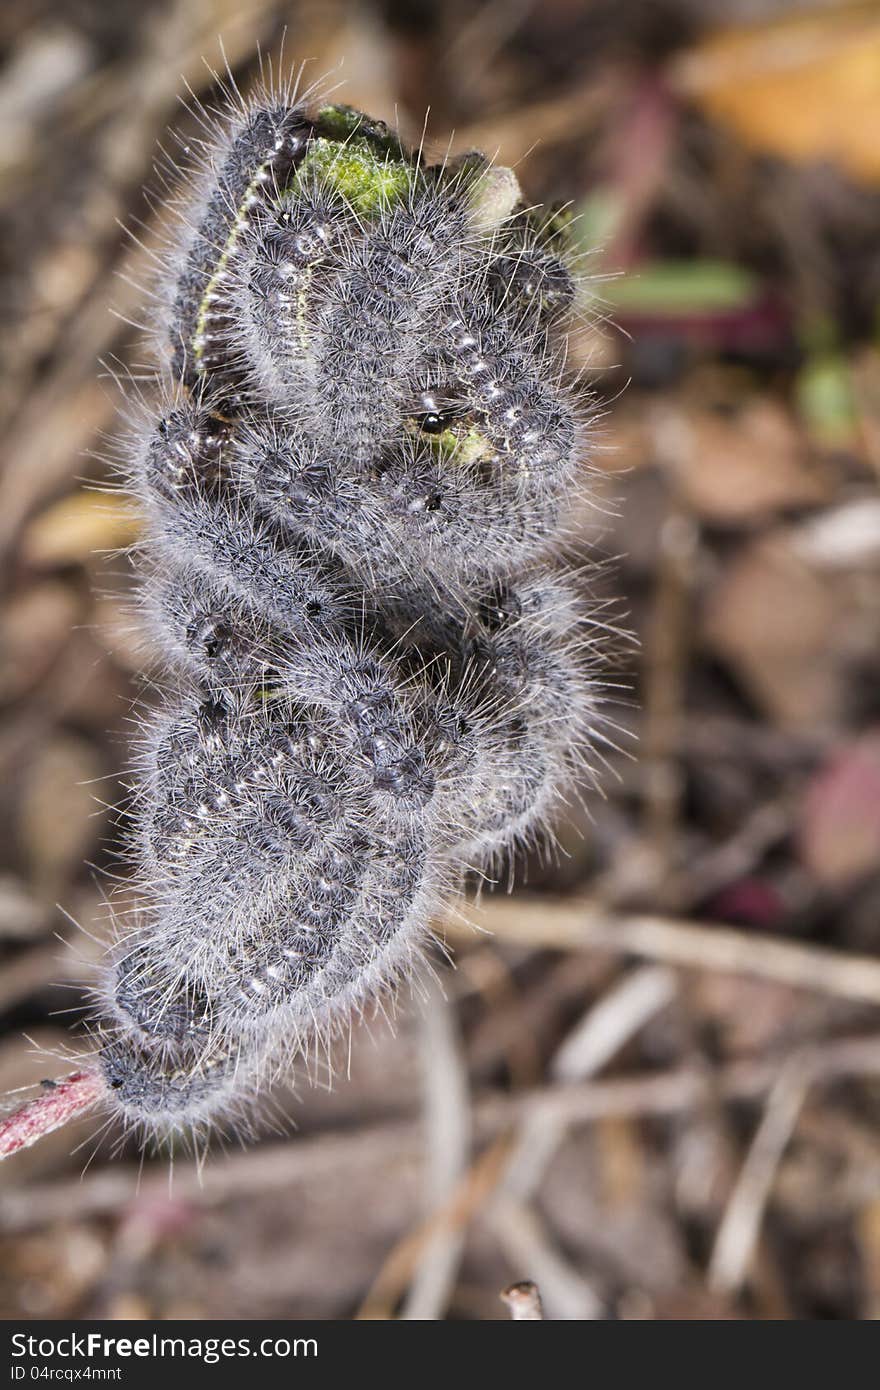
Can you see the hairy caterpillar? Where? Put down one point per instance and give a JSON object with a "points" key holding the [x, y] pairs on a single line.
{"points": [[356, 479]]}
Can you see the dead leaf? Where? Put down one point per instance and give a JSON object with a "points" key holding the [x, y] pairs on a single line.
{"points": [[73, 529], [772, 619], [840, 814], [805, 88], [745, 466]]}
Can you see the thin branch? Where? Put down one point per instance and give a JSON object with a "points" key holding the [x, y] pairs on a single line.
{"points": [[276, 1167], [524, 1302], [741, 1224], [613, 1021], [469, 1195], [447, 1145], [528, 1245], [578, 925], [60, 1102], [604, 1029]]}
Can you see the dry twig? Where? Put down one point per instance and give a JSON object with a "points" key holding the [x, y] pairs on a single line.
{"points": [[740, 1227], [581, 924], [61, 1101], [447, 1141], [276, 1167], [524, 1302]]}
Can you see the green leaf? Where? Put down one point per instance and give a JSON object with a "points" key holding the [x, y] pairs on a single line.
{"points": [[683, 287]]}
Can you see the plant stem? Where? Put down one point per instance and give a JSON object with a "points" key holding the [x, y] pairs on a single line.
{"points": [[61, 1101]]}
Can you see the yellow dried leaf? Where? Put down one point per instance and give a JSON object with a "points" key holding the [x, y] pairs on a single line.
{"points": [[76, 527], [806, 88]]}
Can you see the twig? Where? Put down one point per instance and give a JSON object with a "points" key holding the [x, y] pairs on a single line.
{"points": [[524, 1302], [275, 1167], [447, 1141], [469, 1195], [60, 1102], [741, 1224], [528, 1245], [617, 1017], [580, 924], [712, 870], [611, 1022], [436, 1250], [666, 655]]}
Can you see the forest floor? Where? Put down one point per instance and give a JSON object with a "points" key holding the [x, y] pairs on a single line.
{"points": [[654, 1089]]}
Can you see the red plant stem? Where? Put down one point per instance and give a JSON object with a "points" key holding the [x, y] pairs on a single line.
{"points": [[60, 1102]]}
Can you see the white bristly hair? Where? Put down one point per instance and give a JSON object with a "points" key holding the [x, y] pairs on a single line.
{"points": [[358, 466]]}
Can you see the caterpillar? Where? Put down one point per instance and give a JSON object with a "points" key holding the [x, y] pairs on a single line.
{"points": [[357, 471]]}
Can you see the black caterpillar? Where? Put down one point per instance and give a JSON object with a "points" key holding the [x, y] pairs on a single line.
{"points": [[355, 486]]}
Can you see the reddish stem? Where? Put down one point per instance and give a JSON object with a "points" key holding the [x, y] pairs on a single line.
{"points": [[61, 1101]]}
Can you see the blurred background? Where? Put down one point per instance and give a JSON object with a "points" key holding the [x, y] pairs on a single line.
{"points": [[655, 1088]]}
